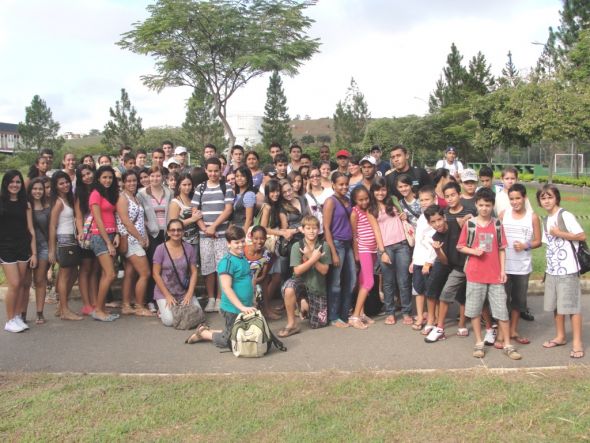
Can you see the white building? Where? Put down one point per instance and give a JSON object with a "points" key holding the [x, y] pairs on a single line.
{"points": [[246, 129], [9, 137]]}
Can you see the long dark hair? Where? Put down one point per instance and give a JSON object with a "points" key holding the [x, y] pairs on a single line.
{"points": [[291, 176], [82, 192], [126, 174], [245, 171], [275, 207], [5, 195], [380, 183], [54, 193], [34, 168], [33, 182], [110, 194], [181, 178]]}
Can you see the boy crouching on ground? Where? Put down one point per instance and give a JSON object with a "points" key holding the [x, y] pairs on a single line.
{"points": [[484, 242], [237, 294], [310, 260]]}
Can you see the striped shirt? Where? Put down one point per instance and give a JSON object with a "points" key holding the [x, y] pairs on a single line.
{"points": [[364, 232], [212, 203]]}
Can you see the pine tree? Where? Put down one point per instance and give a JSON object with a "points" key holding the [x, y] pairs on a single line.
{"points": [[479, 79], [351, 117], [510, 75], [124, 128], [275, 124], [449, 87], [201, 124], [39, 130]]}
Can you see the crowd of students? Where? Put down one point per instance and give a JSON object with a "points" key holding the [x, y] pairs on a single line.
{"points": [[324, 236]]}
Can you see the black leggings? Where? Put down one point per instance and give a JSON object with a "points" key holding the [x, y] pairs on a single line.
{"points": [[154, 243]]}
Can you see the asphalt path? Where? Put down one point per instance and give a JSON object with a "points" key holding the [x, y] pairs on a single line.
{"points": [[144, 345]]}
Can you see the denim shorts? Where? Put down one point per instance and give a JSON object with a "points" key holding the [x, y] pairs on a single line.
{"points": [[419, 280], [98, 246], [42, 251]]}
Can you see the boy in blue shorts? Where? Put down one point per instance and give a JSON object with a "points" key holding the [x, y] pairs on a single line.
{"points": [[483, 240], [237, 293]]}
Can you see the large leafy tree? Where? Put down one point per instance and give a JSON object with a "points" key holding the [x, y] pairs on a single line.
{"points": [[201, 123], [351, 117], [39, 130], [275, 124], [221, 44], [124, 127]]}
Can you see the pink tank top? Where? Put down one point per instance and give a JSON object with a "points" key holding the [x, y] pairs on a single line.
{"points": [[364, 231]]}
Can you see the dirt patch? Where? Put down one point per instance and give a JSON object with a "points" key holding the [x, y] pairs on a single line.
{"points": [[570, 198]]}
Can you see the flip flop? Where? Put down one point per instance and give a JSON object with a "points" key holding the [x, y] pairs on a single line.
{"points": [[553, 344], [521, 340], [390, 320], [576, 354], [287, 332], [108, 318]]}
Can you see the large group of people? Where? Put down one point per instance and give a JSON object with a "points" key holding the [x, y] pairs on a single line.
{"points": [[322, 237]]}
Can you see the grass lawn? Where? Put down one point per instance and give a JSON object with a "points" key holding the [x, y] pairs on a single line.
{"points": [[445, 406]]}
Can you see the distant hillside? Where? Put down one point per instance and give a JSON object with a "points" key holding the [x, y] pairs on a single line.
{"points": [[321, 126], [84, 142]]}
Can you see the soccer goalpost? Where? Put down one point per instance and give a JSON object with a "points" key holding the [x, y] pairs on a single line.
{"points": [[567, 164]]}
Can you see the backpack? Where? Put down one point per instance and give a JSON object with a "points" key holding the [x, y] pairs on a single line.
{"points": [[251, 336], [582, 256], [471, 227]]}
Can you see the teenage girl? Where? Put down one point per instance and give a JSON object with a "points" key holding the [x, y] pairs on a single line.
{"points": [[409, 204], [395, 275], [260, 259], [18, 247], [296, 181], [245, 200], [180, 208], [338, 234], [41, 213], [366, 241], [69, 167], [317, 194], [509, 178], [326, 171], [62, 233]]}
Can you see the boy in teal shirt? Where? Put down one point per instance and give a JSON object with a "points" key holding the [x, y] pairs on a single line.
{"points": [[237, 293]]}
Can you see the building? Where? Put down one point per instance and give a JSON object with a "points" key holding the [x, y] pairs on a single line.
{"points": [[9, 137], [246, 129], [71, 136]]}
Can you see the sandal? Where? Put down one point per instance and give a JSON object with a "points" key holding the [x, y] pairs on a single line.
{"points": [[356, 323], [418, 324], [339, 324], [143, 312], [479, 350], [520, 340], [511, 352], [576, 354], [553, 344], [287, 332], [197, 336], [462, 332], [408, 320], [126, 309], [390, 320], [40, 319], [427, 329], [367, 320]]}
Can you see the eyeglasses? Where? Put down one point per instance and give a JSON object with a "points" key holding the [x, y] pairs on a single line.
{"points": [[176, 230]]}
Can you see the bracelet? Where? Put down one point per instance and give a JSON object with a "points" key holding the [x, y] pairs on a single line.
{"points": [[528, 246]]}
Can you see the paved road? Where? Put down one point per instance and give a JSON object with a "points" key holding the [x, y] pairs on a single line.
{"points": [[140, 345]]}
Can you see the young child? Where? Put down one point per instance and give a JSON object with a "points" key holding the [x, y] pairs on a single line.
{"points": [[562, 234], [422, 259], [366, 241], [455, 210], [409, 204], [486, 178], [259, 259], [509, 177], [469, 185], [485, 245], [447, 280], [281, 163], [216, 207], [308, 285], [236, 290], [523, 233]]}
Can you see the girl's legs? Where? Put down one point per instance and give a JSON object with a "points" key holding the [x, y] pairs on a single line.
{"points": [[577, 346], [40, 279], [366, 282], [23, 299], [65, 281], [85, 279], [271, 281], [14, 273], [142, 269], [126, 287], [106, 280]]}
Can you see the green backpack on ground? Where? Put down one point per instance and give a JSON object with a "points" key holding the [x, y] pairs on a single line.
{"points": [[251, 336]]}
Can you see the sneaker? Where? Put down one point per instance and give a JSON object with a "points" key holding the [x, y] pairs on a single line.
{"points": [[12, 326], [527, 315], [435, 335], [152, 307], [511, 353], [479, 350], [490, 337], [210, 305], [217, 304], [19, 321]]}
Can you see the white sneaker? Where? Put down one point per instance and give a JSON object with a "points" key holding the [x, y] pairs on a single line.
{"points": [[217, 303], [210, 305], [490, 337], [152, 307], [435, 335], [12, 326], [19, 321]]}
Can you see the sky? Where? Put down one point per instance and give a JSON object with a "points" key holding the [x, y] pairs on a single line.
{"points": [[65, 51]]}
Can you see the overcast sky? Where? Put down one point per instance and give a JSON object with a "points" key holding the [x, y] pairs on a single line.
{"points": [[64, 50]]}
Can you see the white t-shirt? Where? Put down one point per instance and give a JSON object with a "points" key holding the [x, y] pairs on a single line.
{"points": [[456, 166], [560, 255], [316, 210], [503, 202], [521, 230], [423, 250]]}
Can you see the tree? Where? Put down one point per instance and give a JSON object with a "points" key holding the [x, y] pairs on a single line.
{"points": [[351, 117], [222, 44], [94, 133], [324, 138], [124, 128], [275, 123], [308, 139], [39, 130], [510, 75], [154, 136], [201, 124], [448, 87]]}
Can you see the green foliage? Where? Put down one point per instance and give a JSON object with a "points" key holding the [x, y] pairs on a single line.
{"points": [[275, 123], [323, 139], [39, 130], [351, 117], [201, 126], [124, 128], [222, 44], [308, 139], [153, 137]]}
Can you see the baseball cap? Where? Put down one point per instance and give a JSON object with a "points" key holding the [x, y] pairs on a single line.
{"points": [[180, 150], [343, 153], [375, 148], [368, 158], [170, 161], [451, 149], [469, 175]]}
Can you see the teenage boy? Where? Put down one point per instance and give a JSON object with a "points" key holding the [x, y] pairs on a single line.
{"points": [[342, 160], [368, 170], [236, 159], [281, 163], [295, 156], [382, 166], [450, 162], [181, 155], [168, 148], [469, 186], [215, 201], [128, 162], [400, 164], [483, 241], [486, 177], [455, 210], [237, 293], [325, 156], [307, 287], [158, 157], [209, 150], [447, 280], [305, 160], [123, 151], [141, 158]]}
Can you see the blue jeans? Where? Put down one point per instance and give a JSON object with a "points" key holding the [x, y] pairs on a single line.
{"points": [[341, 282], [396, 277]]}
